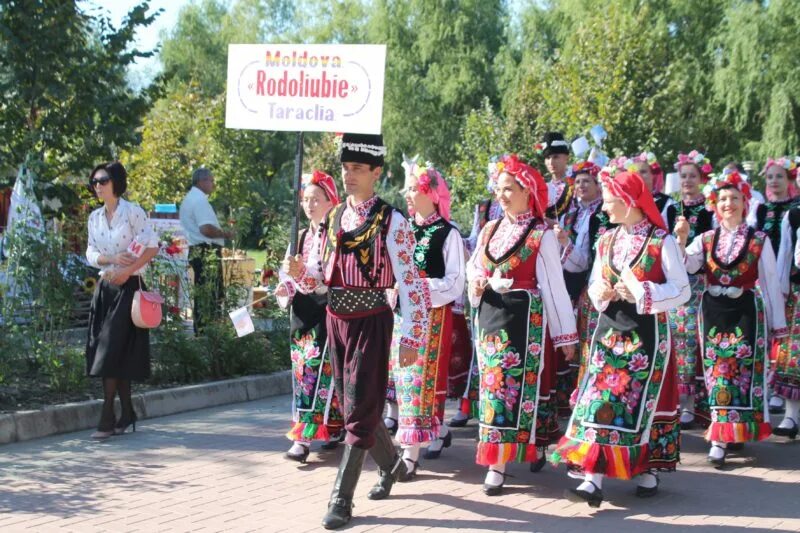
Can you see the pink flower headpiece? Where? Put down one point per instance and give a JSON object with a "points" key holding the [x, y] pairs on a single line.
{"points": [[431, 183], [725, 180], [697, 159], [785, 162], [324, 181]]}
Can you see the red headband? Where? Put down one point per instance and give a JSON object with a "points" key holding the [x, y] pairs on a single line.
{"points": [[325, 182], [630, 188], [529, 178]]}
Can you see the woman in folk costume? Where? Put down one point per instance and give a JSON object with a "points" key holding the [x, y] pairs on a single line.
{"points": [[485, 212], [646, 165], [625, 420], [439, 257], [786, 379], [779, 176], [578, 234], [694, 170], [736, 320], [572, 232], [515, 283], [315, 406]]}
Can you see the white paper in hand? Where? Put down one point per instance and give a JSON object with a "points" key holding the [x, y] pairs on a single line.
{"points": [[580, 146], [242, 321]]}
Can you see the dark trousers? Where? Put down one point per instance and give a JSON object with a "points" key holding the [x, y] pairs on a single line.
{"points": [[206, 262], [359, 349]]}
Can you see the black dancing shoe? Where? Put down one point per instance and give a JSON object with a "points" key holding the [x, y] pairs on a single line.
{"points": [[594, 499], [718, 462], [495, 490], [298, 457], [446, 442], [777, 409], [540, 462], [408, 475], [648, 492], [786, 432]]}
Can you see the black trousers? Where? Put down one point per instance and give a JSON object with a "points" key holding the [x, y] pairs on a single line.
{"points": [[206, 262]]}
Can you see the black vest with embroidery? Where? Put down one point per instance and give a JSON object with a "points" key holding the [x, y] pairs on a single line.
{"points": [[768, 219], [363, 248], [429, 252], [794, 225]]}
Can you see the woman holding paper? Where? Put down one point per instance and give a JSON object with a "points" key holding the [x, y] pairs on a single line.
{"points": [[736, 319], [625, 420], [315, 406], [523, 314], [694, 170], [121, 243]]}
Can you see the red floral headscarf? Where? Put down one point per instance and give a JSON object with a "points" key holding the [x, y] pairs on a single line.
{"points": [[324, 181], [528, 178], [630, 188]]}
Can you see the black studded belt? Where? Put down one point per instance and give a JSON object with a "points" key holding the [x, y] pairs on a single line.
{"points": [[356, 301]]}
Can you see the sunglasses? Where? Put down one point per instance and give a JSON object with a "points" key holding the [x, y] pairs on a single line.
{"points": [[99, 181]]}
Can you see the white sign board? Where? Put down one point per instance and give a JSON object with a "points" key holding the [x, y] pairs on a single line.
{"points": [[305, 87]]}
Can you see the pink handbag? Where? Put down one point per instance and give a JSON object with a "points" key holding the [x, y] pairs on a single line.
{"points": [[146, 308]]}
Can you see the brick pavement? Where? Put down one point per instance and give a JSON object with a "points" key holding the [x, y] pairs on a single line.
{"points": [[222, 469]]}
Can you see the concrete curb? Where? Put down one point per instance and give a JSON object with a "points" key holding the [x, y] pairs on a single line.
{"points": [[66, 418]]}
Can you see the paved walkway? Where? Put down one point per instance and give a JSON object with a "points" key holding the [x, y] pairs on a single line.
{"points": [[222, 469]]}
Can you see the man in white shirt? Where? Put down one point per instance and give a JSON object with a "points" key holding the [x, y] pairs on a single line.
{"points": [[206, 240]]}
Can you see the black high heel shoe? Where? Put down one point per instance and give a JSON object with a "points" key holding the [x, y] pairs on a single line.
{"points": [[786, 432], [446, 442], [299, 457], [594, 498], [125, 421], [495, 490]]}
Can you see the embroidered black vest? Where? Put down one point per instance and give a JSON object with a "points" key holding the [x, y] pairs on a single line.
{"points": [[362, 251], [768, 219], [794, 225], [429, 252], [661, 200]]}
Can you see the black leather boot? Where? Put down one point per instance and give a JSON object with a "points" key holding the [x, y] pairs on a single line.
{"points": [[390, 464], [340, 507]]}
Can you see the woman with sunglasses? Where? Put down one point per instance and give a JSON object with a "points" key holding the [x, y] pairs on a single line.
{"points": [[121, 243]]}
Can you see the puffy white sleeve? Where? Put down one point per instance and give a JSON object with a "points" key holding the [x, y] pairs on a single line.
{"points": [[142, 228], [92, 250], [451, 286], [475, 269], [695, 255], [557, 304], [575, 256], [785, 254], [413, 292], [652, 298], [797, 250], [771, 292]]}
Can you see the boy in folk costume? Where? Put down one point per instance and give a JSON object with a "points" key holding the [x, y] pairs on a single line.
{"points": [[315, 407], [523, 312], [625, 420], [561, 191], [421, 387], [736, 320], [366, 247]]}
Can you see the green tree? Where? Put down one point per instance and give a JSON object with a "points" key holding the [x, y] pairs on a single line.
{"points": [[63, 93]]}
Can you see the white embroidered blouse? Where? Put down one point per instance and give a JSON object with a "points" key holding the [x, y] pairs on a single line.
{"points": [[128, 223]]}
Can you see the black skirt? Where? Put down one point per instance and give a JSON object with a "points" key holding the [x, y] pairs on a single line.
{"points": [[115, 347]]}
